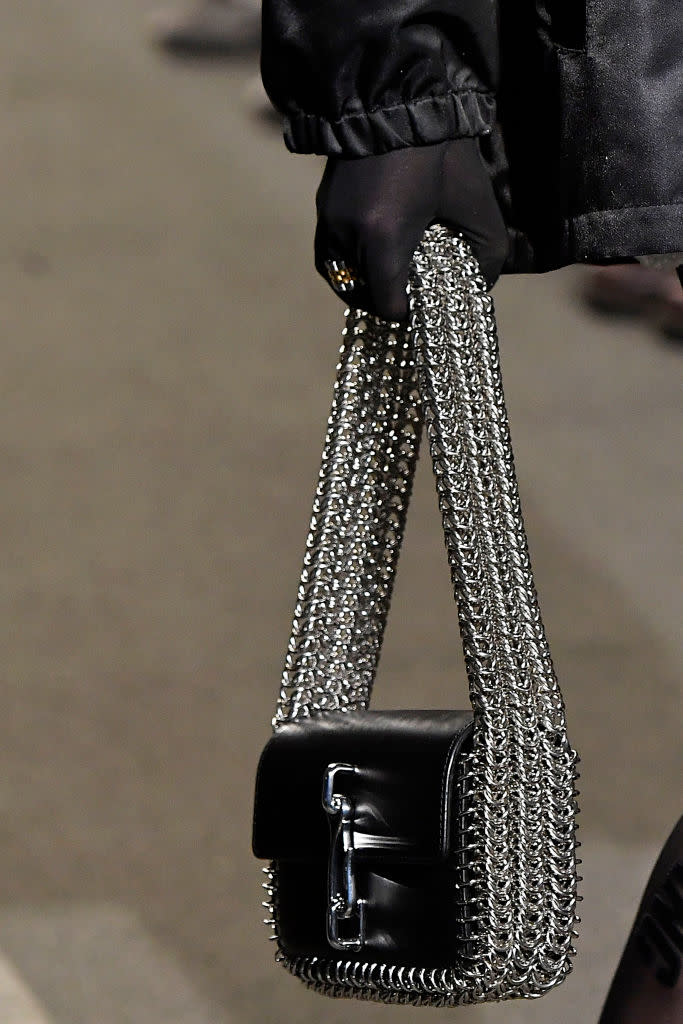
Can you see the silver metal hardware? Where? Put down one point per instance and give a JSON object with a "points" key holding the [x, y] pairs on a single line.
{"points": [[343, 902], [519, 885]]}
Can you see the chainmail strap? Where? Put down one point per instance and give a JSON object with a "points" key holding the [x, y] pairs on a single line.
{"points": [[518, 787], [359, 513]]}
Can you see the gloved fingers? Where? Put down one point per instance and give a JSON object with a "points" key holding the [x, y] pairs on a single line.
{"points": [[385, 258], [371, 215], [469, 206], [491, 251], [376, 256], [490, 248], [336, 260], [373, 211]]}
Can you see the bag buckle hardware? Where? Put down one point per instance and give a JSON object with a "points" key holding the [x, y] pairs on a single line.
{"points": [[343, 902]]}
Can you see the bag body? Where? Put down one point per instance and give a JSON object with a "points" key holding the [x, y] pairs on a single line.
{"points": [[423, 857], [372, 837]]}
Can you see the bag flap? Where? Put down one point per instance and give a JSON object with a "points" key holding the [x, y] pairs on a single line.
{"points": [[401, 794]]}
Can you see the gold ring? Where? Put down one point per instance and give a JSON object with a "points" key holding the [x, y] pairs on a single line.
{"points": [[342, 277]]}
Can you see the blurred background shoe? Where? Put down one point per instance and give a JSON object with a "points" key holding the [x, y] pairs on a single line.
{"points": [[208, 28], [631, 289]]}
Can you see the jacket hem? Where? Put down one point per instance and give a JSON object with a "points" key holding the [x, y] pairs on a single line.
{"points": [[629, 231], [599, 236], [422, 122]]}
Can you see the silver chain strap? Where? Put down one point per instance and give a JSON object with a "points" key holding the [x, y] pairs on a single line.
{"points": [[359, 513], [518, 785]]}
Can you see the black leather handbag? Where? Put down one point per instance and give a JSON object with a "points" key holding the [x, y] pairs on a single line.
{"points": [[419, 856], [376, 847]]}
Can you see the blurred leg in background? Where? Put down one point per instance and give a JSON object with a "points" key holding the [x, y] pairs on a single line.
{"points": [[648, 985], [631, 289]]}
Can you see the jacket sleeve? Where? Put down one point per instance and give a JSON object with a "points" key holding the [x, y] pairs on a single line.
{"points": [[356, 77]]}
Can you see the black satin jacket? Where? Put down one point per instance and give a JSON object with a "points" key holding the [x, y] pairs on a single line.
{"points": [[578, 105]]}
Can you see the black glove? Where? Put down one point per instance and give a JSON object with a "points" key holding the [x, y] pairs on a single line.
{"points": [[373, 211]]}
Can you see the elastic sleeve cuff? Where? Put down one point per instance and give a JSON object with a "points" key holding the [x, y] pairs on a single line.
{"points": [[423, 122]]}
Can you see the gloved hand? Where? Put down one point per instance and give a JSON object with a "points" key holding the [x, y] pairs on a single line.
{"points": [[373, 211]]}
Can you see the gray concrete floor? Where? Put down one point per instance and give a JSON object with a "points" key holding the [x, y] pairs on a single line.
{"points": [[166, 362]]}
